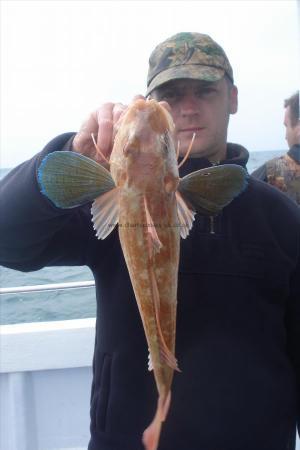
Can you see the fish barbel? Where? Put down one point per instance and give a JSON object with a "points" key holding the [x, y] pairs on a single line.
{"points": [[153, 207]]}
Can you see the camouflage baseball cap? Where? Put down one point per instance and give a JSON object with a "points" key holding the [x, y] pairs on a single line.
{"points": [[187, 55]]}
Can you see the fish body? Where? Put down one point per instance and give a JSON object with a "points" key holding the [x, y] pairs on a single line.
{"points": [[153, 207], [148, 227], [144, 168]]}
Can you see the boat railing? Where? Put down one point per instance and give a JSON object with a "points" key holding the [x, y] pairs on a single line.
{"points": [[45, 379], [47, 287]]}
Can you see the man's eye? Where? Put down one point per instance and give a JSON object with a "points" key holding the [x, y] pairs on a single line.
{"points": [[205, 91], [170, 95]]}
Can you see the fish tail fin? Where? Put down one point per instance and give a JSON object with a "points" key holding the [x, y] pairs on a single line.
{"points": [[152, 433]]}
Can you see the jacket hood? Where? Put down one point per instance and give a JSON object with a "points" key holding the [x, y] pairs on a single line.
{"points": [[294, 152]]}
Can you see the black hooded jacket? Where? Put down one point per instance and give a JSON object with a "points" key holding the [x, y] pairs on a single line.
{"points": [[238, 326]]}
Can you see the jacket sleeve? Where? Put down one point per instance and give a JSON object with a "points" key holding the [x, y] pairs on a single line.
{"points": [[260, 173], [34, 233], [293, 328]]}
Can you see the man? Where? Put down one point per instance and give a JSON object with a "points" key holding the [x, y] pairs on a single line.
{"points": [[238, 326], [284, 172]]}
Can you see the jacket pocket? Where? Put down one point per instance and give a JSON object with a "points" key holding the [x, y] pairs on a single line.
{"points": [[216, 255], [101, 392]]}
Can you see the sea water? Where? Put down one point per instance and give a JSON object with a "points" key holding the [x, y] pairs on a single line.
{"points": [[65, 304]]}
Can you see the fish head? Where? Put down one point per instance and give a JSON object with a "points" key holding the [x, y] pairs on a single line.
{"points": [[143, 154]]}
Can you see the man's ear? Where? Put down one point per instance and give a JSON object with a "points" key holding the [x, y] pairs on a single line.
{"points": [[233, 100], [298, 133]]}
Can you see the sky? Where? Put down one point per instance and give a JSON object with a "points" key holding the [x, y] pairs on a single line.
{"points": [[60, 60]]}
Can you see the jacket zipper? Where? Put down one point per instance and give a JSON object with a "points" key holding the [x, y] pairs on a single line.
{"points": [[212, 224]]}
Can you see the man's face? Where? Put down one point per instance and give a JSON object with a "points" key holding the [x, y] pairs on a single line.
{"points": [[292, 132], [202, 108]]}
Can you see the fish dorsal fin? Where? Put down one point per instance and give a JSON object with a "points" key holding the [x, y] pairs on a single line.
{"points": [[154, 242], [210, 190], [69, 179], [165, 354], [186, 216], [105, 213]]}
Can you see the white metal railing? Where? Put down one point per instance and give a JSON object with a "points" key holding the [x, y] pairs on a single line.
{"points": [[47, 287], [46, 345]]}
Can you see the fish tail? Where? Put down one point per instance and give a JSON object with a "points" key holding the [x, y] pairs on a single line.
{"points": [[152, 433]]}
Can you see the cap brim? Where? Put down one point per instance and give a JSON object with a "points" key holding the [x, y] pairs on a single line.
{"points": [[190, 71]]}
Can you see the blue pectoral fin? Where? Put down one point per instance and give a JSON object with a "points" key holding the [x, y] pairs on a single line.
{"points": [[209, 190], [69, 179]]}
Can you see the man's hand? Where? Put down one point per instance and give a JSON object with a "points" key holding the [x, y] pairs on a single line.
{"points": [[102, 124]]}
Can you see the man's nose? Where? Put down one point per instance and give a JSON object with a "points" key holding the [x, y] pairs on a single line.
{"points": [[190, 105]]}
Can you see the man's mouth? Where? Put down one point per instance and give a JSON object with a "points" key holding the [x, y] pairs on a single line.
{"points": [[191, 130]]}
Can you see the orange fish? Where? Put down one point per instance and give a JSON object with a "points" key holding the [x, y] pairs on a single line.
{"points": [[143, 163], [144, 195]]}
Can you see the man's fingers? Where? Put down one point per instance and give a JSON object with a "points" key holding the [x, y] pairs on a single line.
{"points": [[82, 141], [105, 128], [108, 116], [166, 105], [104, 137], [103, 125], [138, 97], [118, 111]]}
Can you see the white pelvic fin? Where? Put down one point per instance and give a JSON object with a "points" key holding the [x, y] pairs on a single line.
{"points": [[154, 242], [105, 213], [186, 216], [150, 364], [165, 354]]}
